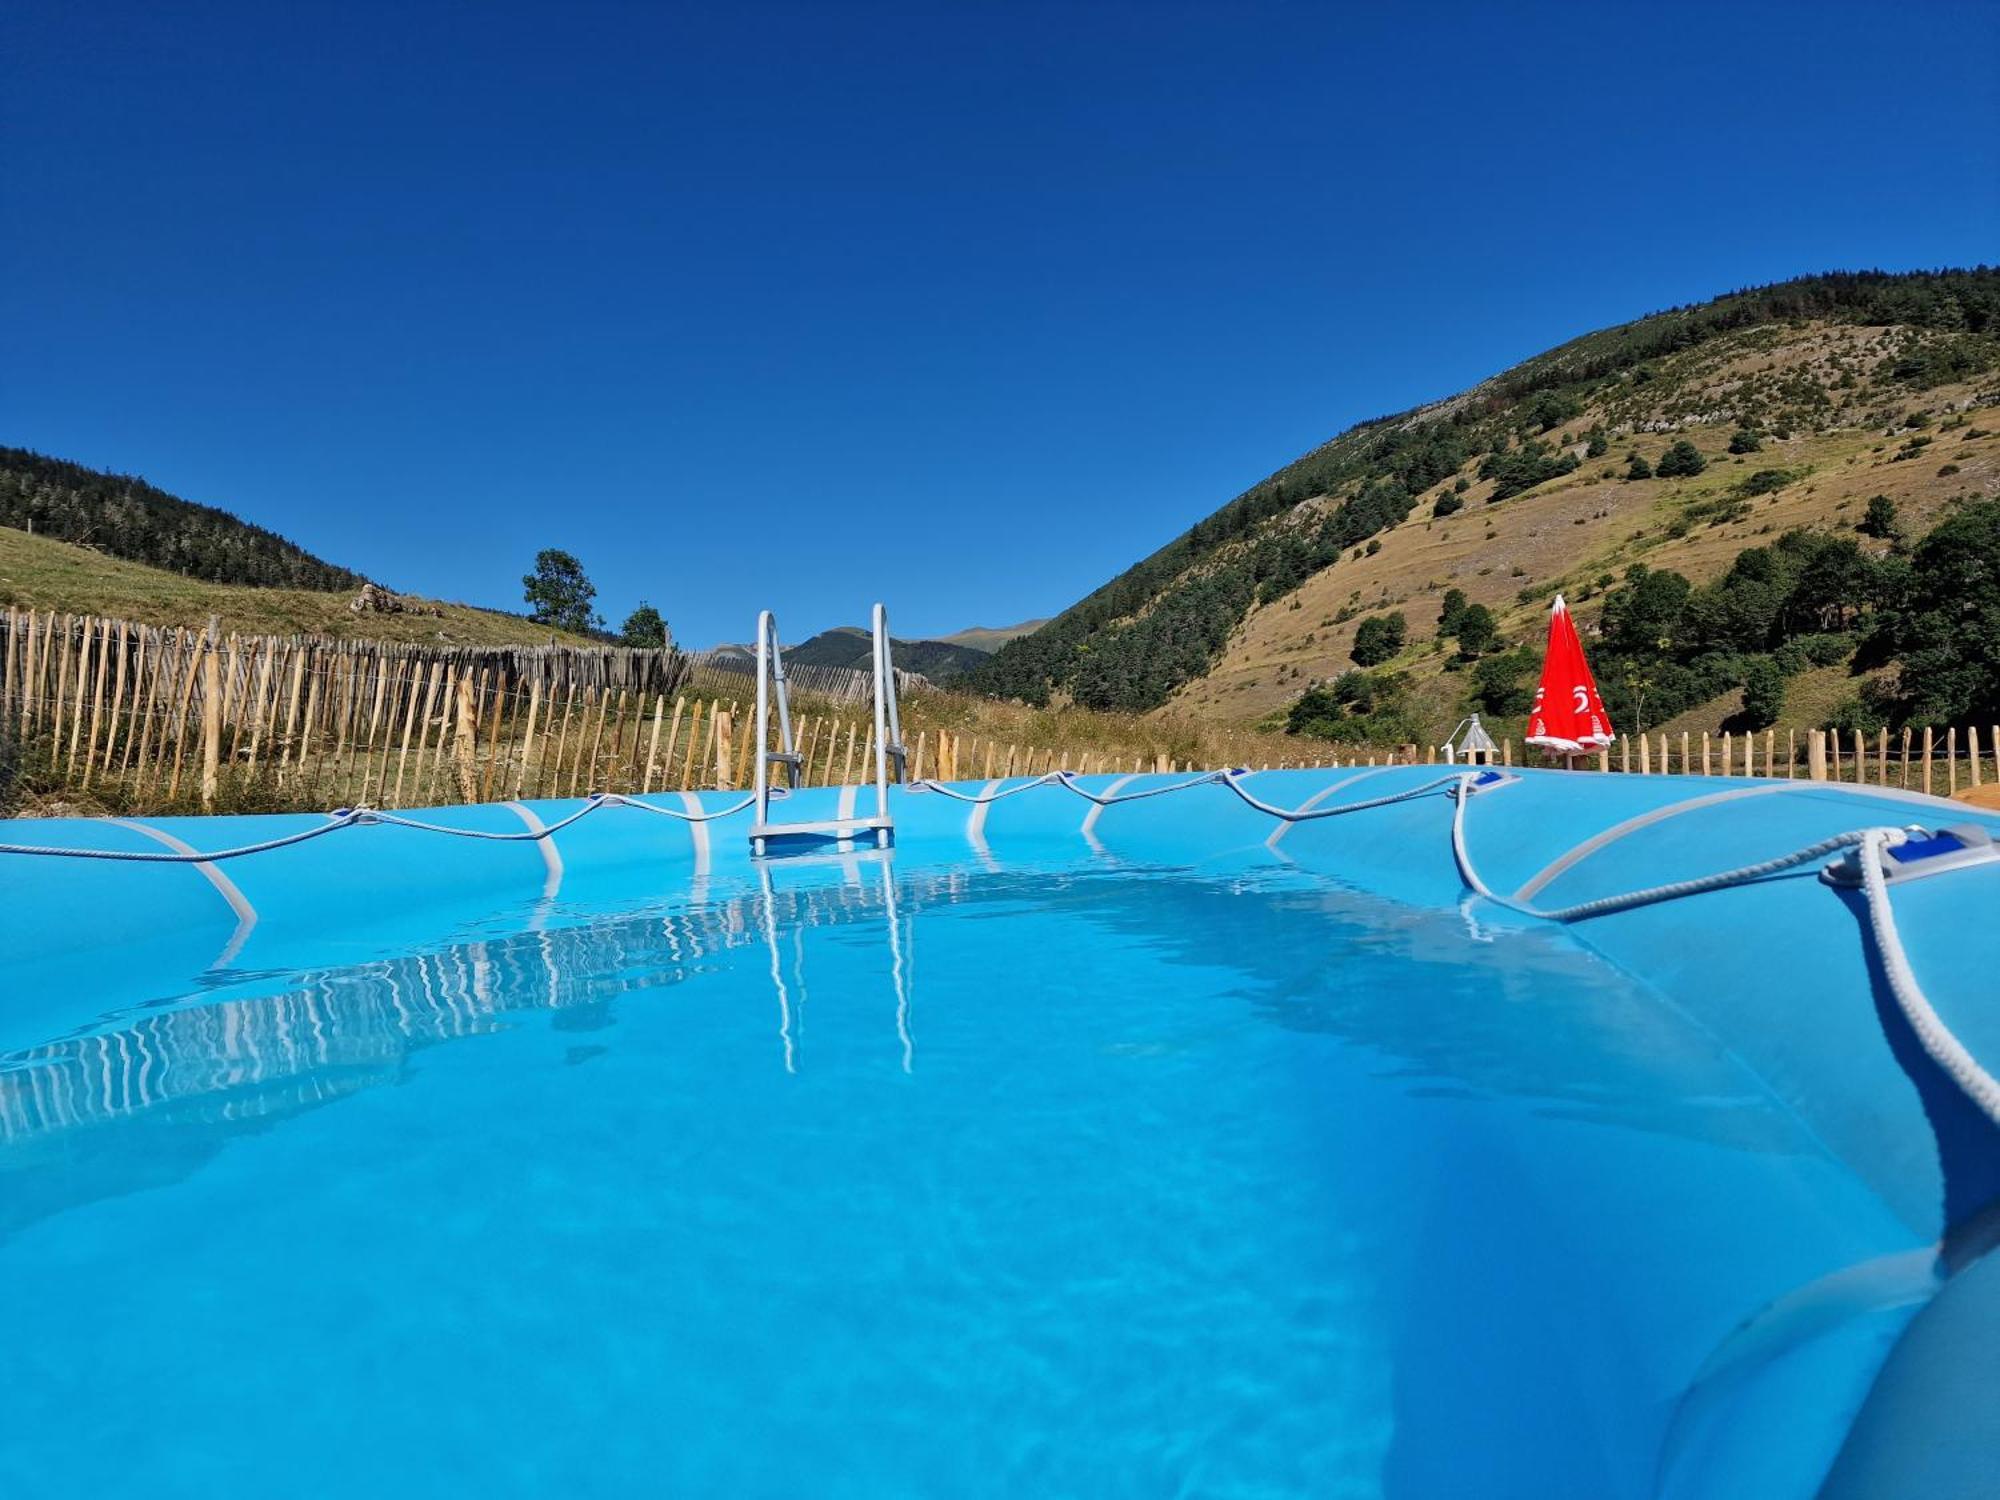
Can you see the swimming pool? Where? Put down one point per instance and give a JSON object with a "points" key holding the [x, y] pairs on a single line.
{"points": [[1147, 1158]]}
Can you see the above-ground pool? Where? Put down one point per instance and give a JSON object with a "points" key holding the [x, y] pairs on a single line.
{"points": [[1156, 1149]]}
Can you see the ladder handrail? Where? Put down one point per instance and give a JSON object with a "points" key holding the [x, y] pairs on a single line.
{"points": [[770, 671]]}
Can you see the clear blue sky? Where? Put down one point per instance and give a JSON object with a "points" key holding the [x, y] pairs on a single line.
{"points": [[963, 306]]}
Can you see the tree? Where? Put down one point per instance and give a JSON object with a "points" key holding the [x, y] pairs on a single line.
{"points": [[1451, 611], [1599, 444], [1378, 638], [558, 594], [1478, 632], [1763, 692], [1638, 468], [1682, 460], [1947, 627], [644, 627], [1743, 440], [1880, 521], [1448, 505], [1504, 684], [1642, 617]]}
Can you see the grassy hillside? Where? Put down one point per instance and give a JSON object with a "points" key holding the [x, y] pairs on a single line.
{"points": [[38, 573], [130, 519], [1517, 487]]}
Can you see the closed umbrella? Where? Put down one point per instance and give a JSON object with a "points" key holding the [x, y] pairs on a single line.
{"points": [[1568, 716]]}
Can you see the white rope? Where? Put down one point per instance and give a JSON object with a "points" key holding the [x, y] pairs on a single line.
{"points": [[1304, 815], [1067, 780], [1932, 1034], [345, 819], [357, 817], [1671, 891]]}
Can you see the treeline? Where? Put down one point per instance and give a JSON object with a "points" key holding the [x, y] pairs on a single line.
{"points": [[1816, 600], [131, 519], [1166, 620]]}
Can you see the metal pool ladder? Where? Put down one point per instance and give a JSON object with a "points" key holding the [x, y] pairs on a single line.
{"points": [[889, 750]]}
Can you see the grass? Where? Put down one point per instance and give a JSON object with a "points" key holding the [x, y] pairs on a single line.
{"points": [[39, 573]]}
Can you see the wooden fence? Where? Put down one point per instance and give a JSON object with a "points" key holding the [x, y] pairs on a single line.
{"points": [[171, 718], [140, 717], [1942, 762]]}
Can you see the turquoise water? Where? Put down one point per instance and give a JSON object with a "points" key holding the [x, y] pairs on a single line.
{"points": [[1054, 1179]]}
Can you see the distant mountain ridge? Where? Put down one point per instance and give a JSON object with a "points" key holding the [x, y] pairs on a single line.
{"points": [[940, 660], [131, 519]]}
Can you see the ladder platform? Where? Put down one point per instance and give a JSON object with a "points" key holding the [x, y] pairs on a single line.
{"points": [[827, 828]]}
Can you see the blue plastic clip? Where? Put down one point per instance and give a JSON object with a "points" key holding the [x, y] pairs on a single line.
{"points": [[1927, 851]]}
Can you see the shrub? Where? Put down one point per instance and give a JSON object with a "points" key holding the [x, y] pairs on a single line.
{"points": [[1880, 520], [1448, 505], [1743, 440], [1764, 482], [1378, 638], [1599, 444], [1682, 460]]}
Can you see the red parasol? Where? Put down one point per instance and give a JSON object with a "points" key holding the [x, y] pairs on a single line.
{"points": [[1568, 716]]}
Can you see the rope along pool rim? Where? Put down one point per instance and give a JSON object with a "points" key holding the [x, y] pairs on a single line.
{"points": [[1870, 844]]}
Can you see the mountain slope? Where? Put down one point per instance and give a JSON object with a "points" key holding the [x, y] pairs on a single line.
{"points": [[1235, 615], [130, 519], [39, 573]]}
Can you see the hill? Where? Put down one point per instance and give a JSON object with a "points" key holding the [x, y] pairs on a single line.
{"points": [[989, 639], [848, 646], [1800, 403], [39, 573], [131, 519]]}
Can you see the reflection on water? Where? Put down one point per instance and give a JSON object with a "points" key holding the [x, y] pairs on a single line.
{"points": [[1552, 1028], [248, 1059]]}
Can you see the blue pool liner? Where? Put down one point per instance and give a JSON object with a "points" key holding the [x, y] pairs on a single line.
{"points": [[1783, 971]]}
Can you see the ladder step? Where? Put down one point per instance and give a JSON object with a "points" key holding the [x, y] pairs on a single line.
{"points": [[829, 828]]}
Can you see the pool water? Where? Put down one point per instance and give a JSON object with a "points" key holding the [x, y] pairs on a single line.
{"points": [[869, 1179]]}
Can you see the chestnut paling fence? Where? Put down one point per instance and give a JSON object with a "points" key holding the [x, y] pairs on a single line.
{"points": [[158, 718], [152, 717]]}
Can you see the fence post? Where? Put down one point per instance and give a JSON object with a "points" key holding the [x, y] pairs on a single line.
{"points": [[1951, 761], [1816, 754], [211, 718], [1972, 751], [1927, 760], [723, 758], [465, 741]]}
